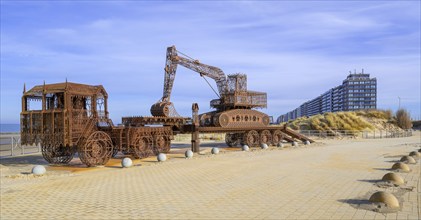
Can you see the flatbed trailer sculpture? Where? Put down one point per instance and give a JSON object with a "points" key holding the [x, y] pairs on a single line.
{"points": [[66, 118]]}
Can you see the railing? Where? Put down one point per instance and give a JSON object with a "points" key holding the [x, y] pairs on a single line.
{"points": [[363, 134], [386, 134], [10, 145]]}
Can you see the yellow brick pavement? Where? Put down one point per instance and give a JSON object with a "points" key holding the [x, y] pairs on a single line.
{"points": [[315, 182]]}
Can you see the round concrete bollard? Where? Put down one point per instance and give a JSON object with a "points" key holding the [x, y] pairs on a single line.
{"points": [[307, 142], [415, 154], [280, 145], [245, 147], [386, 198], [408, 159], [39, 170], [295, 144], [401, 167], [126, 162], [393, 178], [215, 150], [161, 157], [188, 154], [264, 146]]}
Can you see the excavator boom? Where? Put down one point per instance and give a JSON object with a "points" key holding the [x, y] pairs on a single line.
{"points": [[173, 59], [170, 70]]}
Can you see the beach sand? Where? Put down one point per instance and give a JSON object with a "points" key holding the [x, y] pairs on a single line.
{"points": [[325, 180]]}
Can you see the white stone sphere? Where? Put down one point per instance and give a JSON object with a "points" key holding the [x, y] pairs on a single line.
{"points": [[162, 157], [189, 154], [295, 144], [39, 170], [264, 146], [280, 145], [126, 162], [215, 150], [307, 142], [245, 147]]}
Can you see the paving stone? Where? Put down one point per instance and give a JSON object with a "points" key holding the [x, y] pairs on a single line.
{"points": [[316, 182]]}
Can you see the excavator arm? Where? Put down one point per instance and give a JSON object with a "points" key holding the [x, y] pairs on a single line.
{"points": [[170, 70], [173, 59], [164, 107]]}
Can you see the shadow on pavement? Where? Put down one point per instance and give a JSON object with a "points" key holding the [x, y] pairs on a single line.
{"points": [[355, 201], [23, 161], [383, 169], [370, 181], [392, 161], [395, 156]]}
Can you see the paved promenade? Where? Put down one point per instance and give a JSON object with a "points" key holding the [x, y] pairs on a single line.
{"points": [[322, 181]]}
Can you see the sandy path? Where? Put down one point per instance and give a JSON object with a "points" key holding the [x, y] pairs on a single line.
{"points": [[305, 182]]}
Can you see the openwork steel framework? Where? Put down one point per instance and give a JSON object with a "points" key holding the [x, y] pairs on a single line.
{"points": [[66, 118]]}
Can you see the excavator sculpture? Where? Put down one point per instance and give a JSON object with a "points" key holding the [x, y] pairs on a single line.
{"points": [[233, 108]]}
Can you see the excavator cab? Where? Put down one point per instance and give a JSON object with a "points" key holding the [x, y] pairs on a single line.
{"points": [[238, 97]]}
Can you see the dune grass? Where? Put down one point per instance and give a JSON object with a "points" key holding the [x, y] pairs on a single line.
{"points": [[350, 121]]}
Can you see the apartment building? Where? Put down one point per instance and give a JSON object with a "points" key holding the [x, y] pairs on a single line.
{"points": [[358, 91]]}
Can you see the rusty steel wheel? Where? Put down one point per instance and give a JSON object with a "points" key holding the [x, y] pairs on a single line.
{"points": [[265, 120], [141, 147], [223, 120], [232, 139], [162, 144], [167, 146], [57, 154], [265, 137], [251, 138], [96, 150], [277, 137]]}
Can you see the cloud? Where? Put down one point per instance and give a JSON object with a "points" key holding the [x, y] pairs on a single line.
{"points": [[292, 51]]}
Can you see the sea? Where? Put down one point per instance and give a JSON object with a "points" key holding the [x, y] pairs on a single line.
{"points": [[9, 128]]}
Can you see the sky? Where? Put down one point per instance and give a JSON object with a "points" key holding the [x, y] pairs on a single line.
{"points": [[292, 50]]}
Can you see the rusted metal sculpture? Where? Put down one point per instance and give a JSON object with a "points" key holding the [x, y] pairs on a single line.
{"points": [[62, 118], [233, 107], [66, 118]]}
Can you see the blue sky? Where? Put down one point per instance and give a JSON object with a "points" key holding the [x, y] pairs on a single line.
{"points": [[293, 50]]}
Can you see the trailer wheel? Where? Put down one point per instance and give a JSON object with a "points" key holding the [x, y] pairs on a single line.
{"points": [[96, 150], [57, 154], [141, 147], [251, 138], [265, 137], [232, 139], [277, 137], [162, 144]]}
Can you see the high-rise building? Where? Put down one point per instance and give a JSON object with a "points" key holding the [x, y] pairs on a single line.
{"points": [[358, 91]]}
